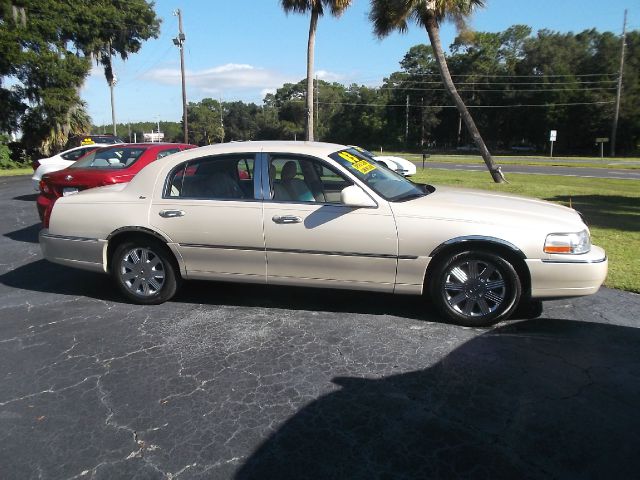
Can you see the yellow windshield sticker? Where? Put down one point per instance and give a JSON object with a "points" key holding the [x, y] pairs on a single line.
{"points": [[87, 141], [360, 165], [363, 166]]}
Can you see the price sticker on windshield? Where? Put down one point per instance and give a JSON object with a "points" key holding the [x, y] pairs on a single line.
{"points": [[363, 166], [360, 165]]}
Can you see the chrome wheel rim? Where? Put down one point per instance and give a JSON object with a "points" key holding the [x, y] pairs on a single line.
{"points": [[142, 272], [474, 288]]}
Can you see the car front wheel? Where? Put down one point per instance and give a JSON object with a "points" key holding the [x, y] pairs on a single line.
{"points": [[475, 288], [144, 272]]}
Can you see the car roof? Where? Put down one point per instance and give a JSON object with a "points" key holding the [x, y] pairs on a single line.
{"points": [[146, 146], [319, 149], [273, 146]]}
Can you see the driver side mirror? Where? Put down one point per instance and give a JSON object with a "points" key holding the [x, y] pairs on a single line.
{"points": [[354, 196]]}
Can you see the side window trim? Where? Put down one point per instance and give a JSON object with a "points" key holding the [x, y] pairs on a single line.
{"points": [[166, 188], [266, 184]]}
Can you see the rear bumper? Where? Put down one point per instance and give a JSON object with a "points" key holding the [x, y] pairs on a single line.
{"points": [[559, 279], [83, 253]]}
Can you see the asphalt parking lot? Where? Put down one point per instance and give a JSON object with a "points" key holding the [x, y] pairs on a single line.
{"points": [[244, 381]]}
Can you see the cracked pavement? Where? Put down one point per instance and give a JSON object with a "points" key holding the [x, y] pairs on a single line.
{"points": [[245, 381]]}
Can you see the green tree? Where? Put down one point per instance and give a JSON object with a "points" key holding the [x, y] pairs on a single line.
{"points": [[205, 122], [47, 46], [316, 8], [389, 15]]}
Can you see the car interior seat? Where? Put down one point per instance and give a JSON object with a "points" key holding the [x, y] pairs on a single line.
{"points": [[296, 188]]}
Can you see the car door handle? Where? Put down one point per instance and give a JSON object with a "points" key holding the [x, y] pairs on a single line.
{"points": [[286, 219], [171, 213]]}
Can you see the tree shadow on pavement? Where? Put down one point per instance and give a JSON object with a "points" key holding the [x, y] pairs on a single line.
{"points": [[606, 211], [535, 399]]}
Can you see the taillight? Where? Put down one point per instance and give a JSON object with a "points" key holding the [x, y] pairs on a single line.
{"points": [[47, 215], [44, 188]]}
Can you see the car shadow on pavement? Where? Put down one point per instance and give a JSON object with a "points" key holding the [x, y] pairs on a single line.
{"points": [[46, 277], [308, 299], [27, 234], [533, 399], [32, 197]]}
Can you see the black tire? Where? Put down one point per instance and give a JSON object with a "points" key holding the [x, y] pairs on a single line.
{"points": [[145, 271], [475, 288]]}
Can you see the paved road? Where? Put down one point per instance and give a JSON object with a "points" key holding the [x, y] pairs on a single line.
{"points": [[253, 382], [540, 170]]}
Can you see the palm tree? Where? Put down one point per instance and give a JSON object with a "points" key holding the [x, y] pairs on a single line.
{"points": [[316, 7], [389, 15]]}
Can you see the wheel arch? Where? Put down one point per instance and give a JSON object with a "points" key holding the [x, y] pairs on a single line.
{"points": [[123, 234], [498, 246]]}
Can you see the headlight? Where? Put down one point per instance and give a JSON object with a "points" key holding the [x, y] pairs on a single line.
{"points": [[568, 243]]}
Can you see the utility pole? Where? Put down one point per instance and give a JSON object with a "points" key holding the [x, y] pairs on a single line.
{"points": [[406, 124], [179, 42], [221, 120], [317, 103], [111, 85], [614, 129]]}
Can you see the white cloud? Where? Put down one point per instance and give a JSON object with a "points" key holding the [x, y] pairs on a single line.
{"points": [[224, 78], [330, 76]]}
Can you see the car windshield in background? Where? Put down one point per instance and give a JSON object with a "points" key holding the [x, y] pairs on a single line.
{"points": [[113, 158], [389, 185]]}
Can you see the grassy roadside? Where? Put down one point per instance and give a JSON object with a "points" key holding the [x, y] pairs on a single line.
{"points": [[16, 171], [589, 162], [610, 207]]}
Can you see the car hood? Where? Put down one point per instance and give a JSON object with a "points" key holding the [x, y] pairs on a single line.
{"points": [[476, 206]]}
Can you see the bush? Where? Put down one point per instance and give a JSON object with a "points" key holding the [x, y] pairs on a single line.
{"points": [[5, 155]]}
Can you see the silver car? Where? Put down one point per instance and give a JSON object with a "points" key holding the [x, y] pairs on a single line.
{"points": [[323, 215]]}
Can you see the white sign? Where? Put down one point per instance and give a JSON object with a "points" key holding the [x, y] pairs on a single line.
{"points": [[553, 135], [153, 136]]}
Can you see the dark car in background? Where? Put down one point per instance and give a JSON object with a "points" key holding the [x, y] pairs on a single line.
{"points": [[104, 166]]}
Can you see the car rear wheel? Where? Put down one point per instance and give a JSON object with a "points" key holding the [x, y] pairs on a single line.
{"points": [[475, 288], [144, 272]]}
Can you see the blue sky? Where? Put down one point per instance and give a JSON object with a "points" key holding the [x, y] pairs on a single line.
{"points": [[241, 49]]}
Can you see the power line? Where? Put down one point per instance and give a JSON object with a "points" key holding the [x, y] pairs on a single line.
{"points": [[589, 82], [540, 75], [404, 105], [519, 90]]}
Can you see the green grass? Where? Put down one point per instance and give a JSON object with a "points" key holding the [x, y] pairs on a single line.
{"points": [[610, 207], [589, 162], [16, 171]]}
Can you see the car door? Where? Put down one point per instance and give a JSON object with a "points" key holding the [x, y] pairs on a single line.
{"points": [[313, 239], [209, 208]]}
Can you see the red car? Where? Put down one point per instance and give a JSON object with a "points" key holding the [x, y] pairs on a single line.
{"points": [[105, 166]]}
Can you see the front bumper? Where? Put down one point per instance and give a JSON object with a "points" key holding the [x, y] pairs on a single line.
{"points": [[83, 253], [568, 278]]}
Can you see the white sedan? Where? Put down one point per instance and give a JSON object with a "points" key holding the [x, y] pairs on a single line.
{"points": [[323, 215], [61, 161], [392, 162]]}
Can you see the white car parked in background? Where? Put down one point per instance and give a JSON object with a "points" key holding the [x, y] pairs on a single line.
{"points": [[397, 164], [61, 161]]}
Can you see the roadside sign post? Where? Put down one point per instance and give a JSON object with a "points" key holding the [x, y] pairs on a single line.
{"points": [[602, 141], [553, 136]]}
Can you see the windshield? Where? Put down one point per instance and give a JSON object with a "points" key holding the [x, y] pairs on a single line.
{"points": [[112, 158], [389, 185]]}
